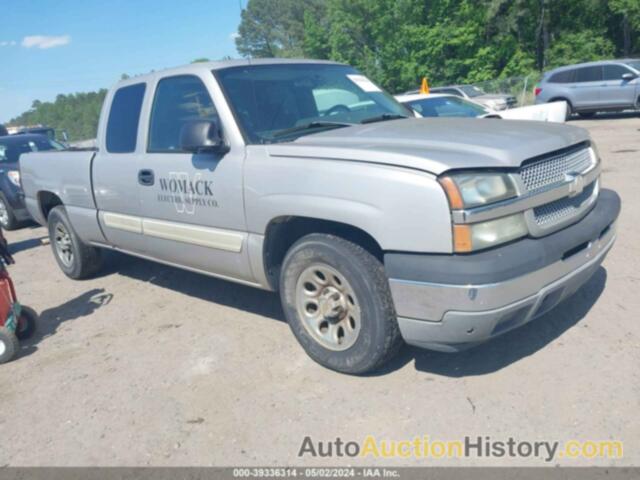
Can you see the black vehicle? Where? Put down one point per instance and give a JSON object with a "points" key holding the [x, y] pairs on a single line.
{"points": [[12, 208], [3, 131]]}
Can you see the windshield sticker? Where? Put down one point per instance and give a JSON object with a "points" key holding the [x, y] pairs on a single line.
{"points": [[364, 83]]}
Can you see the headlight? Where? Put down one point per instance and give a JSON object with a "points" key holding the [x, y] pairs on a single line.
{"points": [[468, 190], [14, 177], [477, 236]]}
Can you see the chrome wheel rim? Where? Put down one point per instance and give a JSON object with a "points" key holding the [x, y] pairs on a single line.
{"points": [[3, 348], [328, 307], [4, 214], [64, 247]]}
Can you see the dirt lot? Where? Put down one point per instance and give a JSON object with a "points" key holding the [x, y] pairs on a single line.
{"points": [[150, 365]]}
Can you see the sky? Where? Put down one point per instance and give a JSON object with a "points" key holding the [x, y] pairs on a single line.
{"points": [[65, 46]]}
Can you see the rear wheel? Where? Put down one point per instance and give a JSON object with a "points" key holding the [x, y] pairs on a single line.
{"points": [[9, 345], [75, 258], [7, 218], [338, 304]]}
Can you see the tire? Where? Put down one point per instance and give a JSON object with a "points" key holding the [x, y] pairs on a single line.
{"points": [[26, 323], [9, 345], [75, 258], [346, 322], [587, 114], [569, 110], [7, 218]]}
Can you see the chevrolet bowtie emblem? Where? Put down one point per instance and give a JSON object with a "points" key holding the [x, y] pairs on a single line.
{"points": [[576, 183]]}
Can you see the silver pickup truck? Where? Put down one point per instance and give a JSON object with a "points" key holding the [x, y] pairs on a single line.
{"points": [[304, 177]]}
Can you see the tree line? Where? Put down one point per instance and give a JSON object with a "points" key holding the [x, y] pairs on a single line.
{"points": [[397, 42]]}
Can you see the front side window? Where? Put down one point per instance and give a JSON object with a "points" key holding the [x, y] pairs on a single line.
{"points": [[178, 100], [635, 64], [124, 116], [589, 74], [615, 72], [277, 103], [447, 107]]}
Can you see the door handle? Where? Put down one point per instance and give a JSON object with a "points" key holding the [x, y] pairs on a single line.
{"points": [[146, 177]]}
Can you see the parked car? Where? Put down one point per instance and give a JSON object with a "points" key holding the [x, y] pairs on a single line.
{"points": [[444, 105], [12, 208], [375, 226], [588, 88], [494, 101]]}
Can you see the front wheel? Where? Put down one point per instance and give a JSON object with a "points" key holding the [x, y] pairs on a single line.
{"points": [[8, 345], [7, 218], [75, 258], [337, 301]]}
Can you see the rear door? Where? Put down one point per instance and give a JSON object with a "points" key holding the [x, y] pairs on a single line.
{"points": [[616, 91], [193, 204], [115, 169], [587, 87]]}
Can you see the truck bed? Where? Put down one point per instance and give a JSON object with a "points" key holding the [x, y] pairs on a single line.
{"points": [[64, 173]]}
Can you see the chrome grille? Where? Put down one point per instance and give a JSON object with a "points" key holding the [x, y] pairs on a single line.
{"points": [[548, 171], [563, 208]]}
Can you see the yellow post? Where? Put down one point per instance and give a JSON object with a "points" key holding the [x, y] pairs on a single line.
{"points": [[424, 88]]}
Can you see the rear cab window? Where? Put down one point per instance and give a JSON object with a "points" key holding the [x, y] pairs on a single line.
{"points": [[124, 118]]}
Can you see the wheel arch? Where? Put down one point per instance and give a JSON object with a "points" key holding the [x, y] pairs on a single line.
{"points": [[283, 231], [47, 201]]}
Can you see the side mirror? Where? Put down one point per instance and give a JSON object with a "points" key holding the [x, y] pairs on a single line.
{"points": [[628, 76], [202, 136]]}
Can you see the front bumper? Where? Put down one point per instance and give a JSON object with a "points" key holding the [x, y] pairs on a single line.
{"points": [[452, 302]]}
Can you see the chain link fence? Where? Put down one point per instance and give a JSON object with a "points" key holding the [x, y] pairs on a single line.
{"points": [[522, 88]]}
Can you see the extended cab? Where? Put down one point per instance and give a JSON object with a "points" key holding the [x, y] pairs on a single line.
{"points": [[306, 178]]}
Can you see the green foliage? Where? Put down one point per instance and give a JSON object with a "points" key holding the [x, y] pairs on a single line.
{"points": [[76, 113], [396, 42]]}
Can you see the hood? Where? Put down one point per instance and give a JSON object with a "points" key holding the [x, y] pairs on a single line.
{"points": [[436, 144]]}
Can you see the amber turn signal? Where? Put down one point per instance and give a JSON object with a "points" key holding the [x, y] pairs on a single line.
{"points": [[453, 194], [462, 239]]}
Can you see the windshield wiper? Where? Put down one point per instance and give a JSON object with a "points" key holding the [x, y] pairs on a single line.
{"points": [[383, 117], [309, 126]]}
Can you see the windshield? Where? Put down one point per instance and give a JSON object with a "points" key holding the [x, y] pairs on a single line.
{"points": [[471, 91], [11, 147], [275, 103], [635, 64], [446, 107]]}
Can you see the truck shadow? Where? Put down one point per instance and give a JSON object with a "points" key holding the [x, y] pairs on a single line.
{"points": [[510, 347], [481, 360], [50, 319], [210, 289]]}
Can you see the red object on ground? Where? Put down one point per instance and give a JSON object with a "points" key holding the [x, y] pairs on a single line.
{"points": [[7, 295]]}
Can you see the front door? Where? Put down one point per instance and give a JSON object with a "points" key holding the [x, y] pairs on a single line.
{"points": [[618, 92], [193, 203]]}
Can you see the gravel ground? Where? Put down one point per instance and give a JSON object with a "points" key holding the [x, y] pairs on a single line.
{"points": [[150, 365]]}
